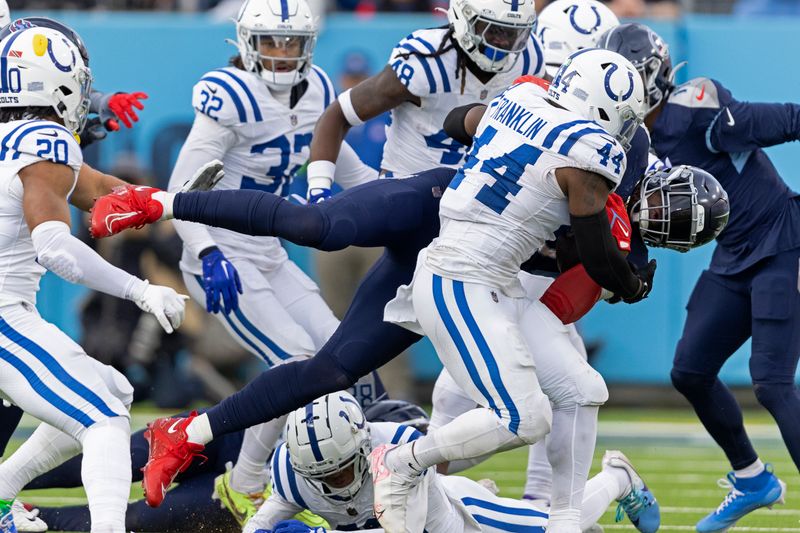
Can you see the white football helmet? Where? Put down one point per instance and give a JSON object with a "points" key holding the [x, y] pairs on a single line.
{"points": [[602, 86], [286, 25], [566, 26], [325, 438], [492, 32], [5, 13], [43, 68]]}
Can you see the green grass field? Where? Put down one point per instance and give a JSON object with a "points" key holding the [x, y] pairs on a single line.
{"points": [[669, 448]]}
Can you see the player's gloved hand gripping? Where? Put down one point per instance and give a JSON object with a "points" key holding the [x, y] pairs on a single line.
{"points": [[220, 279], [164, 303], [120, 107], [134, 206]]}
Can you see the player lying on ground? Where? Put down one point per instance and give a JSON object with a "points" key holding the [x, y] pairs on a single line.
{"points": [[750, 288], [323, 467], [82, 403]]}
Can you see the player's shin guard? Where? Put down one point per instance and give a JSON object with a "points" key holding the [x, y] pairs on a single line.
{"points": [[570, 448], [106, 473], [46, 448]]}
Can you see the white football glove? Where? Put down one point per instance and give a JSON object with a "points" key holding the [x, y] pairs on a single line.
{"points": [[165, 304], [205, 178]]}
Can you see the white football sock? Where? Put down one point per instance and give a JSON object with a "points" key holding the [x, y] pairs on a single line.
{"points": [[608, 486], [199, 430], [106, 473], [540, 474], [750, 471], [44, 450], [570, 447], [250, 474], [166, 200], [475, 433]]}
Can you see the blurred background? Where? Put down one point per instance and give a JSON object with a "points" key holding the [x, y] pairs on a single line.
{"points": [[163, 47]]}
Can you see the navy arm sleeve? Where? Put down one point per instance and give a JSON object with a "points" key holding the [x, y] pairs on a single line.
{"points": [[744, 126]]}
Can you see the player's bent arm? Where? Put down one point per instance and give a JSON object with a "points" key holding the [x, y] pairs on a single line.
{"points": [[207, 140], [462, 122], [368, 99], [745, 126], [91, 185], [587, 194]]}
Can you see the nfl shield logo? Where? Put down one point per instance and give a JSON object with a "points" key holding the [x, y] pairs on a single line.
{"points": [[484, 94], [293, 120]]}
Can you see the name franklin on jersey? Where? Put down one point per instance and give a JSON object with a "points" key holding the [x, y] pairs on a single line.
{"points": [[517, 118]]}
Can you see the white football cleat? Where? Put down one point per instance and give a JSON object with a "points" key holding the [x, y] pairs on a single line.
{"points": [[26, 520], [400, 502]]}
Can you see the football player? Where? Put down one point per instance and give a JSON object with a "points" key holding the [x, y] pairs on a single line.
{"points": [[257, 115], [323, 467], [43, 104], [750, 290]]}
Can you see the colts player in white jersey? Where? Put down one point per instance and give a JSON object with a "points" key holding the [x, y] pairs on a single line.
{"points": [[83, 404], [257, 115], [540, 160], [322, 467]]}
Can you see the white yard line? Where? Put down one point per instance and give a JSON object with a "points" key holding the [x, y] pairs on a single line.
{"points": [[665, 528]]}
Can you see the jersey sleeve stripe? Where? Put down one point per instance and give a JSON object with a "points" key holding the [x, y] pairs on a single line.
{"points": [[539, 54], [325, 88], [276, 471], [551, 138], [293, 484], [30, 130], [526, 62], [492, 506], [439, 64], [248, 92], [7, 139], [573, 138], [233, 94], [414, 435], [425, 66], [398, 434]]}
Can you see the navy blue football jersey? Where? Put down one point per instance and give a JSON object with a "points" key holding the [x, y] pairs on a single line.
{"points": [[701, 124]]}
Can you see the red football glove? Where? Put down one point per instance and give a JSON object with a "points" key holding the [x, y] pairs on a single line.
{"points": [[127, 206], [122, 106], [620, 223]]}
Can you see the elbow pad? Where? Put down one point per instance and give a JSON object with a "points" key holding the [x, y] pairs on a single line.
{"points": [[454, 124], [600, 256]]}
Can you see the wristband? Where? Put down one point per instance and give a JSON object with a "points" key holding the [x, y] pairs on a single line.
{"points": [[347, 109], [320, 174]]}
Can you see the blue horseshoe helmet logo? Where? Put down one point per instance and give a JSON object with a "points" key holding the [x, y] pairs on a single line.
{"points": [[584, 31], [59, 66], [611, 70]]}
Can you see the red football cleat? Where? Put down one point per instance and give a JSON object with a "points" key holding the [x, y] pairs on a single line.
{"points": [[127, 206], [170, 454]]}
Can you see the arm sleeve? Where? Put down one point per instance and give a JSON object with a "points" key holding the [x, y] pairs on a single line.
{"points": [[207, 140], [454, 124], [744, 126], [350, 170], [274, 510], [64, 255], [600, 256]]}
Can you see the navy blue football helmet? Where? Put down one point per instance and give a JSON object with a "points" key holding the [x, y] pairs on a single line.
{"points": [[649, 53], [398, 411]]}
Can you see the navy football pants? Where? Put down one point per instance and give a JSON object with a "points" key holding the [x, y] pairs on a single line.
{"points": [[723, 312], [401, 215]]}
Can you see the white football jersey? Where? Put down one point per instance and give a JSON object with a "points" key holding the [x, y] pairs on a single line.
{"points": [[25, 142], [415, 139], [505, 201], [272, 144], [343, 514]]}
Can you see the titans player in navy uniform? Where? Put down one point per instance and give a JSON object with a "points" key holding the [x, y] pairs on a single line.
{"points": [[751, 287]]}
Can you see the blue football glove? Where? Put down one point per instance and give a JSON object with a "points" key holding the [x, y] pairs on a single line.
{"points": [[318, 194], [220, 278], [296, 526], [263, 531]]}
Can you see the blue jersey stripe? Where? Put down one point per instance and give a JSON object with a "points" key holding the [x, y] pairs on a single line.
{"points": [[312, 432], [276, 471], [260, 336], [414, 435], [539, 54], [441, 307], [32, 128], [247, 92], [293, 484], [505, 526], [7, 138], [398, 434], [44, 391], [574, 136], [439, 63], [425, 66], [526, 62], [233, 94], [486, 353], [550, 140], [325, 87], [492, 506], [55, 368]]}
